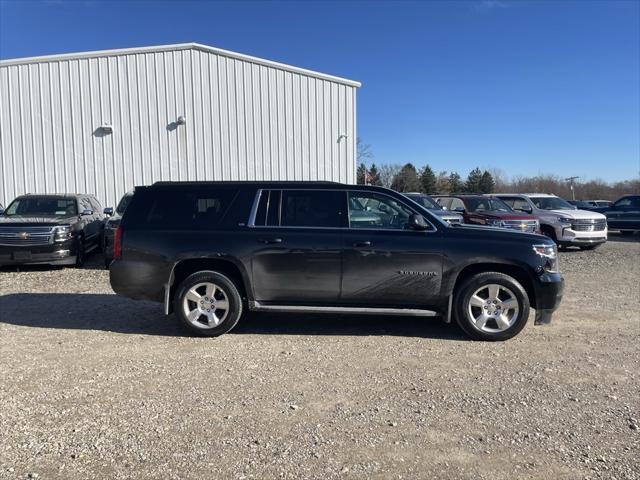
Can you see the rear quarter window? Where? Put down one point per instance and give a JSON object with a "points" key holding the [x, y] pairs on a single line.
{"points": [[175, 209]]}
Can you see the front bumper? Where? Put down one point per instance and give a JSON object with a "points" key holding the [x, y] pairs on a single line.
{"points": [[63, 253], [549, 290], [567, 236]]}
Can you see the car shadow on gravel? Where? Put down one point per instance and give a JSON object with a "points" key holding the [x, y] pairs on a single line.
{"points": [[110, 313]]}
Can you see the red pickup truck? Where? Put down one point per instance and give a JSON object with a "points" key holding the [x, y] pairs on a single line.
{"points": [[489, 211]]}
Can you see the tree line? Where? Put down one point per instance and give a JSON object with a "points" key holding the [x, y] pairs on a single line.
{"points": [[409, 179]]}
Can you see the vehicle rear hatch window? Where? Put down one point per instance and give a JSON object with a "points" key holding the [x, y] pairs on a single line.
{"points": [[179, 209]]}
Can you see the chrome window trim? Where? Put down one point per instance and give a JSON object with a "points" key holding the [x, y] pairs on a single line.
{"points": [[256, 201]]}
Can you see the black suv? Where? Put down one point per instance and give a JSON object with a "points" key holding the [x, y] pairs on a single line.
{"points": [[57, 229], [210, 250]]}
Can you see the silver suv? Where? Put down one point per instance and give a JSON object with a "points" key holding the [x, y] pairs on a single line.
{"points": [[560, 220]]}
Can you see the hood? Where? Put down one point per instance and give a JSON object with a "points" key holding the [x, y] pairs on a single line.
{"points": [[578, 214], [506, 215], [36, 221], [491, 233]]}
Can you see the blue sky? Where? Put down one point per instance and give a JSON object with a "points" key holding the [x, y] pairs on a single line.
{"points": [[528, 86]]}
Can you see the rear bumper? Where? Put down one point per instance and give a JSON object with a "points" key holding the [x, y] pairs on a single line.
{"points": [[549, 290], [63, 253], [138, 280]]}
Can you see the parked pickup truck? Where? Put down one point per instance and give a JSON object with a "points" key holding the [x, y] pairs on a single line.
{"points": [[624, 214], [57, 229], [561, 221], [210, 250], [492, 212]]}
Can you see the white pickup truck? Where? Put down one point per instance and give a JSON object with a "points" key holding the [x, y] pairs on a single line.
{"points": [[560, 220]]}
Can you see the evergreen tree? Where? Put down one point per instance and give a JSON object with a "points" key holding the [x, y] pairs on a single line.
{"points": [[374, 176], [487, 184], [428, 180], [473, 181], [406, 180], [455, 183]]}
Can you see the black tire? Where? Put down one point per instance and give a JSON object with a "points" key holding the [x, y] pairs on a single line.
{"points": [[462, 299], [548, 231], [80, 252], [228, 290]]}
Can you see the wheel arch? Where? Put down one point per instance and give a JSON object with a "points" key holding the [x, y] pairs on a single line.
{"points": [[518, 272], [184, 267]]}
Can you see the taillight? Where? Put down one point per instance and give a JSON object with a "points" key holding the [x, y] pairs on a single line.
{"points": [[117, 241]]}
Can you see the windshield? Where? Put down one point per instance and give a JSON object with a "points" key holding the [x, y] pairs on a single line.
{"points": [[124, 202], [43, 207], [426, 201], [487, 205], [551, 203]]}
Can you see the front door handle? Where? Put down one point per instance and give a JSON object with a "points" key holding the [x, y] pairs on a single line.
{"points": [[366, 243], [270, 240]]}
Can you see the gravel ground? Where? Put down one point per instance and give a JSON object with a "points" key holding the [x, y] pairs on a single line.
{"points": [[97, 386]]}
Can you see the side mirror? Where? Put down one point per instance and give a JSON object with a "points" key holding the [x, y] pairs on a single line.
{"points": [[1, 211], [525, 209], [108, 211], [87, 212], [417, 222]]}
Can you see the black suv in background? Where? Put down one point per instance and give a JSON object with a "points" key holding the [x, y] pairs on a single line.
{"points": [[210, 250], [111, 225], [57, 229]]}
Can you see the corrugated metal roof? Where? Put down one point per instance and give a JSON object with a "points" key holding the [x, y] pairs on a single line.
{"points": [[174, 47]]}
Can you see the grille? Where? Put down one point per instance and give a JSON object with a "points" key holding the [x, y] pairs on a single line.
{"points": [[588, 225], [521, 225], [25, 236]]}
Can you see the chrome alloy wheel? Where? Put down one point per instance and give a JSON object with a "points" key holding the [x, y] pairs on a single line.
{"points": [[493, 308], [205, 305]]}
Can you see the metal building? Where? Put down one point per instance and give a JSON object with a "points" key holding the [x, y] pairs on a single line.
{"points": [[103, 122]]}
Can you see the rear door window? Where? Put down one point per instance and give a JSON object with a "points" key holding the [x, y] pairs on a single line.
{"points": [[312, 208]]}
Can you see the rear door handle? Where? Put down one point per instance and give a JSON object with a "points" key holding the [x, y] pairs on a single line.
{"points": [[270, 240], [366, 243]]}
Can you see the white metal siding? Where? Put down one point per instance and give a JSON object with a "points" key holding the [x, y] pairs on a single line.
{"points": [[245, 120]]}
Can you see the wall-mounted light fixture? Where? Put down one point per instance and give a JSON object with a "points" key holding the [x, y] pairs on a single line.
{"points": [[182, 120], [341, 136], [106, 128]]}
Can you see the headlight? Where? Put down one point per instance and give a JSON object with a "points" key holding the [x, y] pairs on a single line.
{"points": [[61, 233], [495, 223], [549, 253], [565, 221]]}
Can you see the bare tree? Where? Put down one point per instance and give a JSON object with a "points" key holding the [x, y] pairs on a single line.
{"points": [[387, 172], [363, 151]]}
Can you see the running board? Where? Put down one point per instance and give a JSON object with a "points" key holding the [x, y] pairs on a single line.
{"points": [[411, 312]]}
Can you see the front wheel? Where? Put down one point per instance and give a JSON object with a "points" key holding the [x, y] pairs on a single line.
{"points": [[491, 306], [208, 303]]}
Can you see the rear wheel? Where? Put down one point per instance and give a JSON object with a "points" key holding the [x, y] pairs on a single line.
{"points": [[208, 303], [491, 306]]}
